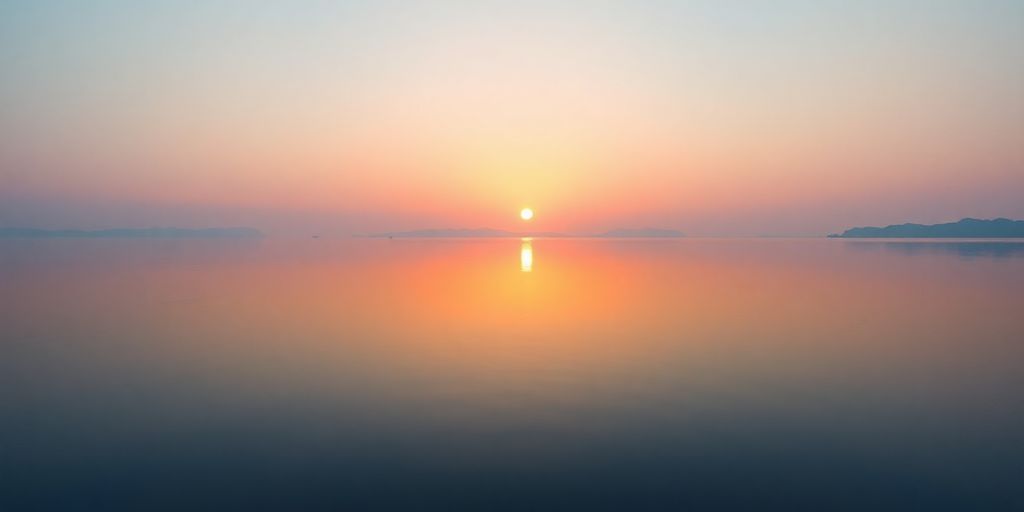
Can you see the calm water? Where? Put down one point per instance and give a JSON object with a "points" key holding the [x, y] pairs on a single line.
{"points": [[494, 374]]}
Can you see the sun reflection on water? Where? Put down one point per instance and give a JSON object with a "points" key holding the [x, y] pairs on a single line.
{"points": [[526, 255]]}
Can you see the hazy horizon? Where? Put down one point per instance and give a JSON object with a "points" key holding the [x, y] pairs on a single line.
{"points": [[618, 255], [781, 118]]}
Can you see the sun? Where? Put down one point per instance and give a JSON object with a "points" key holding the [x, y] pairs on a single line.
{"points": [[526, 214]]}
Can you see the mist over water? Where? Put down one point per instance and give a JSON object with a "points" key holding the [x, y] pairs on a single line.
{"points": [[511, 374]]}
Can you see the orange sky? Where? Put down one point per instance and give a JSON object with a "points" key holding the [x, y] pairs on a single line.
{"points": [[782, 119]]}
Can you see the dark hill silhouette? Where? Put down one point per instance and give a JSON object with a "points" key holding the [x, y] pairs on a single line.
{"points": [[965, 228]]}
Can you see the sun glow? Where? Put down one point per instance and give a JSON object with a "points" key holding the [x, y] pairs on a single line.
{"points": [[526, 214]]}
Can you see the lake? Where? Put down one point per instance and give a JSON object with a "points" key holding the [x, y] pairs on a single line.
{"points": [[491, 374]]}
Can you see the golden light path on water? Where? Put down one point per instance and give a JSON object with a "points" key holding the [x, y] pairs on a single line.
{"points": [[526, 255]]}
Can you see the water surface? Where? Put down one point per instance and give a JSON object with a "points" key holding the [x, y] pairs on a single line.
{"points": [[511, 374]]}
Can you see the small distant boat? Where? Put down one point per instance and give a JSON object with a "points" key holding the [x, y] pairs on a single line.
{"points": [[316, 236]]}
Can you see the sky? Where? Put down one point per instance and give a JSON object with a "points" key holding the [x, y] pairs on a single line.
{"points": [[716, 118]]}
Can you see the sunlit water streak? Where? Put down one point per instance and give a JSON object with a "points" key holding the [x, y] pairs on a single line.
{"points": [[526, 255]]}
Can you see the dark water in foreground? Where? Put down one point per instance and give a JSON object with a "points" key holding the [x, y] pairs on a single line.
{"points": [[500, 374]]}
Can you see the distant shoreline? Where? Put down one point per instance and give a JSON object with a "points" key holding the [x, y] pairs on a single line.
{"points": [[964, 228], [497, 233], [228, 232]]}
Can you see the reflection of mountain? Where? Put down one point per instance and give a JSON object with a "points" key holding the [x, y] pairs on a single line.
{"points": [[965, 250], [965, 228], [132, 233], [498, 233]]}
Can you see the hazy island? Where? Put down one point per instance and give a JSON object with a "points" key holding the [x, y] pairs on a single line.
{"points": [[462, 233], [231, 232], [642, 233], [498, 233], [964, 228], [485, 232]]}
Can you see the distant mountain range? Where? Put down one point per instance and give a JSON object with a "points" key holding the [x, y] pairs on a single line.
{"points": [[498, 233], [964, 228], [642, 233], [233, 232]]}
